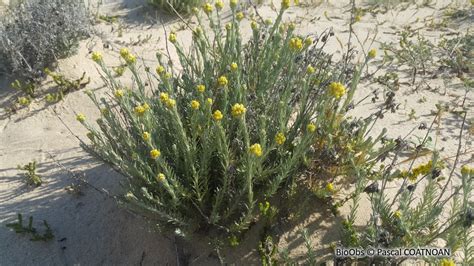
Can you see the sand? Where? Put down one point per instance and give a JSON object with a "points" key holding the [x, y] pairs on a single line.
{"points": [[92, 229]]}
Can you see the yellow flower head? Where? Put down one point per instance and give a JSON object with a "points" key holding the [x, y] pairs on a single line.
{"points": [[310, 69], [280, 138], [254, 25], [140, 110], [308, 41], [209, 101], [198, 31], [81, 118], [330, 187], [397, 214], [207, 8], [97, 57], [200, 88], [131, 59], [219, 5], [167, 75], [146, 136], [256, 149], [296, 44], [155, 154], [195, 104], [164, 97], [311, 127], [170, 103], [372, 53], [23, 101], [233, 3], [172, 37], [160, 70], [466, 170], [447, 262], [268, 22], [217, 115], [238, 110], [228, 26], [195, 10], [285, 4], [234, 66], [118, 93], [222, 81], [337, 90], [239, 16], [160, 177], [124, 52], [146, 106]]}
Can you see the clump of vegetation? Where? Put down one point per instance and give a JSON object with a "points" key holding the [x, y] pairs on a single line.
{"points": [[35, 33], [29, 229], [202, 147], [64, 85], [181, 6], [32, 178]]}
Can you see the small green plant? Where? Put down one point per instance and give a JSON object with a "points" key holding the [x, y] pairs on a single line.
{"points": [[28, 87], [32, 178], [64, 85], [29, 229], [181, 6]]}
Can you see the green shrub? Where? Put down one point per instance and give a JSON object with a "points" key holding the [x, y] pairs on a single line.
{"points": [[35, 33], [204, 146]]}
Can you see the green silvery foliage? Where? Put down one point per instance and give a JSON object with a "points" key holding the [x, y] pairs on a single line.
{"points": [[182, 6], [210, 175], [416, 215], [35, 33]]}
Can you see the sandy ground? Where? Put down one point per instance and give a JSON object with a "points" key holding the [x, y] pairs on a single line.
{"points": [[92, 229]]}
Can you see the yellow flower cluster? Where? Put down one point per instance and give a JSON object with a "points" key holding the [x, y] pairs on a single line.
{"points": [[254, 25], [172, 37], [160, 70], [397, 214], [233, 3], [81, 118], [97, 57], [372, 53], [207, 8], [166, 100], [217, 115], [200, 88], [155, 154], [256, 150], [234, 66], [219, 5], [222, 81], [330, 187], [127, 56], [239, 16], [285, 4], [311, 127], [238, 110], [141, 109], [146, 136], [308, 41], [422, 169], [280, 138], [296, 44], [466, 170], [447, 262], [160, 177], [195, 104], [310, 69], [337, 89], [23, 101], [118, 93]]}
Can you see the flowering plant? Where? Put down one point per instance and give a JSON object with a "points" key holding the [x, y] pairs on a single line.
{"points": [[203, 147]]}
